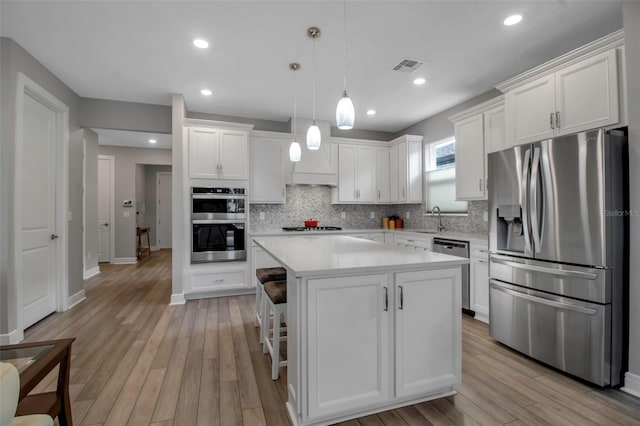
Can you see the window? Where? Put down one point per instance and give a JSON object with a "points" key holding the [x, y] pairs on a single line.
{"points": [[440, 177]]}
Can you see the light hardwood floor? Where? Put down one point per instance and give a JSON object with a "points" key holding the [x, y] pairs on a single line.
{"points": [[138, 361]]}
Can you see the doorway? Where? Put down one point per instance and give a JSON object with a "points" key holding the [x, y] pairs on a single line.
{"points": [[40, 203], [106, 208], [163, 208]]}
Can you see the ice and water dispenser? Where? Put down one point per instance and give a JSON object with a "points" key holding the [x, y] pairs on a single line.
{"points": [[509, 229]]}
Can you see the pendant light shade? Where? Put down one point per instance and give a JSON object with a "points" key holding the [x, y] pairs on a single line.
{"points": [[345, 113], [294, 151], [313, 137]]}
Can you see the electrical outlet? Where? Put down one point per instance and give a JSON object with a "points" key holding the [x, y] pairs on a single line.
{"points": [[485, 216], [261, 215], [408, 215], [373, 215], [125, 214], [343, 215]]}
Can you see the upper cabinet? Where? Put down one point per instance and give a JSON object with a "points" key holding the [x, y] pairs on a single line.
{"points": [[357, 174], [268, 169], [478, 131], [406, 170], [216, 153], [577, 91], [382, 175]]}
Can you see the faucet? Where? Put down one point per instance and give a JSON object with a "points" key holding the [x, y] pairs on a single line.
{"points": [[433, 212]]}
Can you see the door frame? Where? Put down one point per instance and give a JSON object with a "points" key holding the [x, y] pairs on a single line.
{"points": [[112, 206], [170, 174], [26, 86]]}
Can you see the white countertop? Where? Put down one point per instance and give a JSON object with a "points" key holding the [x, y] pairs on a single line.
{"points": [[472, 237], [330, 255]]}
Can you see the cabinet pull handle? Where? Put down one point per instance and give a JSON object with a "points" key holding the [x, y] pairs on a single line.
{"points": [[551, 120], [558, 119], [386, 299], [482, 261], [480, 184], [401, 298], [403, 191], [378, 194]]}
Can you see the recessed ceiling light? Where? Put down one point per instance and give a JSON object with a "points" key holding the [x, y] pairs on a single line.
{"points": [[200, 43], [152, 141], [206, 92], [512, 20], [420, 80], [371, 112]]}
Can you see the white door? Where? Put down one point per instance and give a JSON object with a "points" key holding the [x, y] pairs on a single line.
{"points": [[38, 212], [163, 211], [348, 343], [267, 166], [382, 174], [234, 158], [105, 191], [366, 172], [470, 158], [531, 111], [426, 344]]}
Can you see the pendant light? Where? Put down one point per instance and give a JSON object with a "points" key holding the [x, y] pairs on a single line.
{"points": [[294, 149], [313, 134], [345, 113]]}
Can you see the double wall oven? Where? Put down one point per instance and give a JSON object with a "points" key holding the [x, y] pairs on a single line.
{"points": [[218, 221]]}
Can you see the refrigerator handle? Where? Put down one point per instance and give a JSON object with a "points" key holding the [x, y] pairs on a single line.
{"points": [[525, 201], [533, 200]]}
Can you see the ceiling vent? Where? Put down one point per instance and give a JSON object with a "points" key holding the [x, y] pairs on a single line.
{"points": [[408, 65]]}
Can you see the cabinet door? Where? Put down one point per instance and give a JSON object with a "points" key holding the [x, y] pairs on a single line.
{"points": [[470, 158], [587, 94], [480, 289], [531, 111], [494, 130], [203, 153], [415, 172], [233, 155], [348, 347], [382, 175], [427, 345], [394, 184], [267, 171], [347, 161], [366, 174], [402, 172]]}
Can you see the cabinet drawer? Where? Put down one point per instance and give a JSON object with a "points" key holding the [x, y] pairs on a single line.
{"points": [[479, 252], [413, 241], [218, 280]]}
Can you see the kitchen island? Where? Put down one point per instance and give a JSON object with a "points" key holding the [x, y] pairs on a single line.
{"points": [[370, 326]]}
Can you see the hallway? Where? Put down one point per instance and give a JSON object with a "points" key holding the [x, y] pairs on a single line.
{"points": [[138, 361]]}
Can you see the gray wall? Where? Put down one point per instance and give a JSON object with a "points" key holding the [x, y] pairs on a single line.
{"points": [[15, 59], [106, 114], [631, 20], [150, 191], [140, 186], [125, 189], [91, 200], [362, 134]]}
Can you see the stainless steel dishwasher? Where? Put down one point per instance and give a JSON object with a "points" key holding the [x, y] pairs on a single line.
{"points": [[460, 249]]}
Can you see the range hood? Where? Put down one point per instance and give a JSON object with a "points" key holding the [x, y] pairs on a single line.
{"points": [[318, 167]]}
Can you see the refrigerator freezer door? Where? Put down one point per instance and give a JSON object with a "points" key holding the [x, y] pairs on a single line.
{"points": [[569, 220], [567, 334]]}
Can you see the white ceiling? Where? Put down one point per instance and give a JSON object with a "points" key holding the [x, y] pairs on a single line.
{"points": [[132, 139], [141, 50]]}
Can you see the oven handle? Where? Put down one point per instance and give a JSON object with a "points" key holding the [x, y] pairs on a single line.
{"points": [[218, 197], [217, 222], [542, 301]]}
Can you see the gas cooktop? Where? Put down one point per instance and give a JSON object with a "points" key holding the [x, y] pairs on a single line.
{"points": [[316, 228]]}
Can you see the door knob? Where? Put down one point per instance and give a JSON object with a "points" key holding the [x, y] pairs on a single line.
{"points": [[54, 237], [105, 224]]}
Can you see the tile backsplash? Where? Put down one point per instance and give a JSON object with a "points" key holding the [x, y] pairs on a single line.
{"points": [[314, 202]]}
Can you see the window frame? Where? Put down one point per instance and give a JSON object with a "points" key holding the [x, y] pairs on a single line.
{"points": [[430, 165]]}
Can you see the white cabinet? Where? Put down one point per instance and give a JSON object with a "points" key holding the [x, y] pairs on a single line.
{"points": [[406, 171], [377, 338], [267, 170], [382, 175], [207, 281], [357, 174], [348, 343], [218, 154], [478, 131], [479, 281], [576, 97], [426, 349], [417, 241]]}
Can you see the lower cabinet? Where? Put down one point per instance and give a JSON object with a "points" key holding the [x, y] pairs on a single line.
{"points": [[202, 281], [479, 276], [381, 338]]}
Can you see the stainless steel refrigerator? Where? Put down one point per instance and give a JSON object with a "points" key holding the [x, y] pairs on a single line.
{"points": [[558, 237]]}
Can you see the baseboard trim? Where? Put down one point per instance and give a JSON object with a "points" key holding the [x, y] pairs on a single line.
{"points": [[16, 336], [155, 248], [75, 299], [124, 260], [91, 273], [177, 299], [631, 384]]}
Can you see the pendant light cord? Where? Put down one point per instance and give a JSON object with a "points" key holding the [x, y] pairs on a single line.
{"points": [[344, 14], [314, 80], [295, 101]]}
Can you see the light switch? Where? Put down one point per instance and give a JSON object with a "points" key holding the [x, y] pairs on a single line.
{"points": [[125, 214], [261, 215], [373, 215], [408, 215], [343, 215], [485, 216]]}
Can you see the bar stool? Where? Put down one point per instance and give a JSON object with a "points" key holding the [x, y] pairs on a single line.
{"points": [[275, 303], [264, 275]]}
